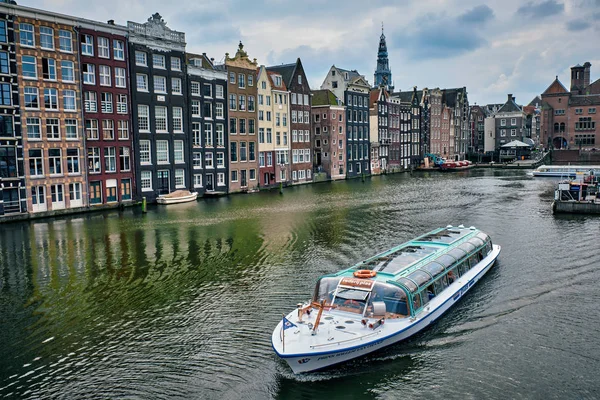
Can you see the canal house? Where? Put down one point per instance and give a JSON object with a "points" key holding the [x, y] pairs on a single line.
{"points": [[208, 155], [106, 110], [159, 103]]}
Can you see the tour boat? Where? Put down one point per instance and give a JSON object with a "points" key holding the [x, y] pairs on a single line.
{"points": [[565, 171], [384, 299], [178, 196]]}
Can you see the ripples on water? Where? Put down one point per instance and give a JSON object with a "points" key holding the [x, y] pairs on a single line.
{"points": [[181, 302]]}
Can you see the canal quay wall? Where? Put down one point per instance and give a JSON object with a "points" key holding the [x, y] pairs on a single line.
{"points": [[575, 207]]}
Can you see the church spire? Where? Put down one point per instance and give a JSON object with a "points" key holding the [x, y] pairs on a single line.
{"points": [[383, 74]]}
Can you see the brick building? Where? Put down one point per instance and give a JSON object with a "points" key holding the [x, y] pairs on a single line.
{"points": [[49, 77], [107, 113], [242, 92], [328, 116], [569, 117]]}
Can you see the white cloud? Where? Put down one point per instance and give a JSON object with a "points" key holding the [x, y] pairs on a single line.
{"points": [[513, 53]]}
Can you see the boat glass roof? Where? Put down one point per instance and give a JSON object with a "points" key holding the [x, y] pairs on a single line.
{"points": [[447, 236], [410, 285], [404, 257], [446, 260], [433, 268], [420, 277]]}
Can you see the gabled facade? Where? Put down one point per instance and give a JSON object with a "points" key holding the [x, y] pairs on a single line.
{"points": [[243, 143], [394, 132], [328, 116], [107, 113], [477, 122], [380, 123], [274, 139], [510, 123], [49, 80], [435, 122], [354, 91], [13, 190], [569, 118], [457, 100], [411, 106], [208, 112], [295, 80], [159, 100]]}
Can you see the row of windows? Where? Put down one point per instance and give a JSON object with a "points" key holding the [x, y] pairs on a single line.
{"points": [[585, 140], [513, 132], [219, 137], [47, 40], [93, 128], [241, 79], [206, 90], [50, 72], [359, 101], [90, 103], [159, 84], [513, 122], [105, 77], [317, 116], [208, 162], [333, 129], [162, 152], [247, 151], [52, 128], [301, 156], [159, 61], [239, 103], [163, 179], [357, 116], [103, 47], [358, 152], [110, 159], [160, 119], [55, 165], [281, 138], [207, 110], [242, 126]]}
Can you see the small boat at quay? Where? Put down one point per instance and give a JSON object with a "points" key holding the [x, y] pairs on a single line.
{"points": [[176, 197], [384, 299], [566, 171]]}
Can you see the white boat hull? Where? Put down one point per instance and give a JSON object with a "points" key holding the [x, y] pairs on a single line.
{"points": [[176, 200], [392, 331]]}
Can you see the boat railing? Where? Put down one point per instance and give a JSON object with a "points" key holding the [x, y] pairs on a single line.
{"points": [[315, 346]]}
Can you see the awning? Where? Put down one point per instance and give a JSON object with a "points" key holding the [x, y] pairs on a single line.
{"points": [[515, 144]]}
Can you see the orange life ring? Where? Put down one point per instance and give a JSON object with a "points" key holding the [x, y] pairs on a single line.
{"points": [[364, 273]]}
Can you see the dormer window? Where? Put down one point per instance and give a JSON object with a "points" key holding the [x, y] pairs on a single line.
{"points": [[277, 80], [346, 76], [196, 62], [333, 72]]}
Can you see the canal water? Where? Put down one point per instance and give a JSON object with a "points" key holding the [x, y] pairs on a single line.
{"points": [[181, 302]]}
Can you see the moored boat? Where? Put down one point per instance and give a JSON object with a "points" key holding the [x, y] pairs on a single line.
{"points": [[384, 299], [565, 171], [178, 196]]}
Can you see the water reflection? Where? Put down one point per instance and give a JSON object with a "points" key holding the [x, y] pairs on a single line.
{"points": [[180, 302]]}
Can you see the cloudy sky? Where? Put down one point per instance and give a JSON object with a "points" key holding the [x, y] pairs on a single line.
{"points": [[493, 48]]}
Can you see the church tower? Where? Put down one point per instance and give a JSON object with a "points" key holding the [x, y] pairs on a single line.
{"points": [[383, 75]]}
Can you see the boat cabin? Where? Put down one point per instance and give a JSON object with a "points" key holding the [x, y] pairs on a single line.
{"points": [[406, 278]]}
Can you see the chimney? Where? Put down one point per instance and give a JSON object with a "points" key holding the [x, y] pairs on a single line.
{"points": [[586, 74], [111, 22], [510, 97], [513, 98]]}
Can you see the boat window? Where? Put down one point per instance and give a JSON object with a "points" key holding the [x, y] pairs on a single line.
{"points": [[351, 300], [446, 260], [452, 276], [457, 253], [441, 284], [410, 285], [325, 288], [433, 268], [483, 236], [467, 247], [488, 247], [428, 294], [393, 297], [416, 302], [463, 267], [420, 277], [476, 242]]}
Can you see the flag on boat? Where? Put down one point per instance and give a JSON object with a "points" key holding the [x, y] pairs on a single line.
{"points": [[288, 324]]}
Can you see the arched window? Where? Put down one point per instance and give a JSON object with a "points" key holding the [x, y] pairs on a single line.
{"points": [[556, 127], [562, 126]]}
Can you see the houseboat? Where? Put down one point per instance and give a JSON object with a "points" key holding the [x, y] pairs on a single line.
{"points": [[565, 171], [384, 299]]}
